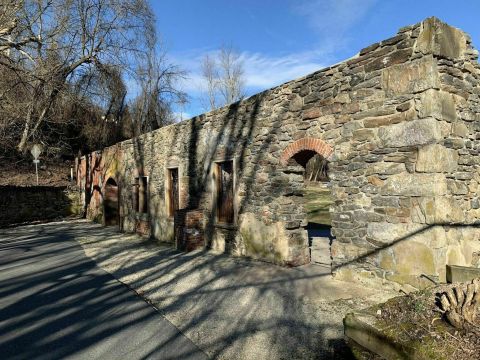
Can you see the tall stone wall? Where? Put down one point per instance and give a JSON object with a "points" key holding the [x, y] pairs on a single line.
{"points": [[40, 203], [413, 177], [396, 122]]}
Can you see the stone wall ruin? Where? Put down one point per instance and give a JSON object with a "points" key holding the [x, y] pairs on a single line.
{"points": [[26, 204], [399, 124]]}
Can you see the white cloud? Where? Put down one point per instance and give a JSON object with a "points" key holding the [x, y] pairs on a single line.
{"points": [[266, 71], [332, 20], [261, 71]]}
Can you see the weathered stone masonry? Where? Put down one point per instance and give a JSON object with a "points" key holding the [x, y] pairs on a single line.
{"points": [[399, 124], [22, 204]]}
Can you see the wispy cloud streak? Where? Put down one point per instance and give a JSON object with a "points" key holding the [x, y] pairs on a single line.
{"points": [[261, 71], [331, 20]]}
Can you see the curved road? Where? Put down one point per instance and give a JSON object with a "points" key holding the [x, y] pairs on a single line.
{"points": [[55, 303]]}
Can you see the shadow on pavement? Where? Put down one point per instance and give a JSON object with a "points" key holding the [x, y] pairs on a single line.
{"points": [[57, 303]]}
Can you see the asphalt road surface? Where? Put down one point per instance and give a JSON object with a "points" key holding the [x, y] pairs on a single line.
{"points": [[55, 303]]}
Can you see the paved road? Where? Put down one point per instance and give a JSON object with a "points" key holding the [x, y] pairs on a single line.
{"points": [[55, 303]]}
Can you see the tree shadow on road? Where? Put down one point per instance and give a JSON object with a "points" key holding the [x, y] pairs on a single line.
{"points": [[57, 303]]}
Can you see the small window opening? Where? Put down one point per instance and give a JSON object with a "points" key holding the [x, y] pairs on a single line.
{"points": [[224, 187]]}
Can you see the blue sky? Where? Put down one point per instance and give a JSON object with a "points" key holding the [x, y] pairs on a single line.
{"points": [[285, 39]]}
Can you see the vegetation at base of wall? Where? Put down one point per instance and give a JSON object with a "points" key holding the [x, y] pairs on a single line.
{"points": [[98, 218], [415, 324]]}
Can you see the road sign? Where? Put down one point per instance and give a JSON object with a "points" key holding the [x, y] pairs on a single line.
{"points": [[36, 151]]}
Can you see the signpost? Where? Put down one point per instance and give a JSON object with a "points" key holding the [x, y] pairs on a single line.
{"points": [[36, 151]]}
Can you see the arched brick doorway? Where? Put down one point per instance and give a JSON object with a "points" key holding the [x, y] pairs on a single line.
{"points": [[306, 144], [314, 155], [110, 203]]}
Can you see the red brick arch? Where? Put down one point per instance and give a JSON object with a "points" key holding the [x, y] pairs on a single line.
{"points": [[317, 145]]}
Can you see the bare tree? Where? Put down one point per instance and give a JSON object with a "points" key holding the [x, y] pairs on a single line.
{"points": [[316, 169], [49, 44], [157, 79], [8, 21], [101, 94], [211, 77], [224, 77], [231, 79]]}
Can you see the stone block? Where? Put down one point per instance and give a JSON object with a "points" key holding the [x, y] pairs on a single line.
{"points": [[384, 233], [455, 255], [412, 133], [372, 122], [385, 168], [404, 106], [457, 273], [436, 238], [414, 258], [437, 104], [439, 210], [363, 135], [440, 39], [411, 78], [397, 57], [347, 251], [295, 104], [406, 184], [360, 327], [457, 187], [369, 49], [394, 40], [436, 158], [312, 113], [459, 129], [269, 242], [350, 127], [386, 260]]}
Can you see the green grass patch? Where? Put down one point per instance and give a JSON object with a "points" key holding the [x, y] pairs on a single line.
{"points": [[318, 199]]}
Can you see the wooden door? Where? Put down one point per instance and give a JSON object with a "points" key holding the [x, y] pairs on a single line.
{"points": [[225, 210]]}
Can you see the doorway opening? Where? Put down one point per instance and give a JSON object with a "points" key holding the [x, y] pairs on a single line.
{"points": [[317, 199], [224, 192], [111, 212]]}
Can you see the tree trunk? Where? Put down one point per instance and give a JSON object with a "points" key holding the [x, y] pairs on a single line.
{"points": [[26, 130], [460, 306], [22, 145]]}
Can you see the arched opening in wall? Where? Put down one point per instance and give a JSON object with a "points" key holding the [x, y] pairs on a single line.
{"points": [[110, 203], [317, 199]]}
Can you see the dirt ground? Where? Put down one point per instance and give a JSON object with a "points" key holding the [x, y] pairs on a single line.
{"points": [[235, 308], [23, 174]]}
